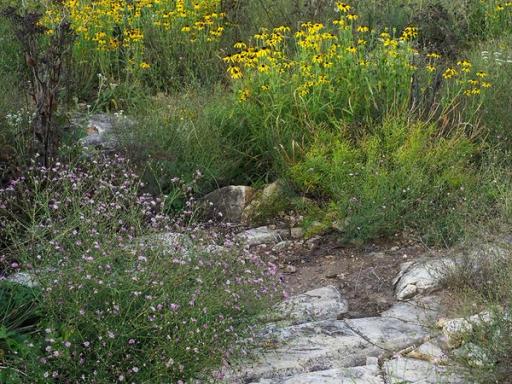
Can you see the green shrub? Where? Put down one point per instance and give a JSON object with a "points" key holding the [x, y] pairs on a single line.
{"points": [[19, 315], [176, 136], [401, 175]]}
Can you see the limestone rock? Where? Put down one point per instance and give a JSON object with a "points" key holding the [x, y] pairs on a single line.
{"points": [[430, 352], [100, 129], [388, 333], [262, 235], [454, 330], [228, 203], [355, 375], [412, 371], [319, 304], [415, 278], [474, 355], [297, 349], [269, 196], [423, 310], [297, 233], [23, 278]]}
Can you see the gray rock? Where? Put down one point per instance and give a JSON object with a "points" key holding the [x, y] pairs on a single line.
{"points": [[355, 375], [474, 356], [262, 235], [405, 370], [423, 310], [100, 129], [297, 233], [420, 277], [388, 333], [228, 202], [282, 245], [319, 304], [303, 348], [455, 330], [429, 351], [270, 195]]}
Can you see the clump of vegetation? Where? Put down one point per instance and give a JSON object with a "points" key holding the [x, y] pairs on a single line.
{"points": [[391, 115], [117, 303], [403, 175]]}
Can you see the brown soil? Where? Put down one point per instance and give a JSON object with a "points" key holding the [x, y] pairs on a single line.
{"points": [[363, 275]]}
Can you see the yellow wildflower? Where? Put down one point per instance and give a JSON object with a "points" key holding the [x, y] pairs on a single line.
{"points": [[449, 73]]}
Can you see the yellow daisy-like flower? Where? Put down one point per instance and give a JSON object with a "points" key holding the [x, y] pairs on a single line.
{"points": [[449, 73], [263, 68], [434, 55], [235, 72], [144, 65], [240, 45], [481, 74], [343, 7], [465, 65], [431, 68], [244, 94], [362, 29]]}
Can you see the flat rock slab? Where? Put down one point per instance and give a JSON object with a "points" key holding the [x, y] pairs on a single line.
{"points": [[388, 333], [412, 371], [263, 235], [319, 304], [357, 375], [421, 277], [422, 310], [429, 351], [304, 348]]}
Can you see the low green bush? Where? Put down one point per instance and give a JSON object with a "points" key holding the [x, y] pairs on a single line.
{"points": [[400, 175]]}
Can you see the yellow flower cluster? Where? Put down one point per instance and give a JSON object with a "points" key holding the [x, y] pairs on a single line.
{"points": [[107, 25], [463, 73], [311, 57]]}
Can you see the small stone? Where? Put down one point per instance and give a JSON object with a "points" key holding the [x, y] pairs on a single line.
{"points": [[262, 235], [228, 202], [282, 245], [297, 233], [290, 269], [415, 278], [332, 276]]}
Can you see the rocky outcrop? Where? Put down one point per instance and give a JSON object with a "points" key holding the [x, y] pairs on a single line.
{"points": [[422, 277], [264, 200], [312, 346]]}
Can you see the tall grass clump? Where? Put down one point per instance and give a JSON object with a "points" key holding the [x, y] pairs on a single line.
{"points": [[403, 175], [118, 301]]}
